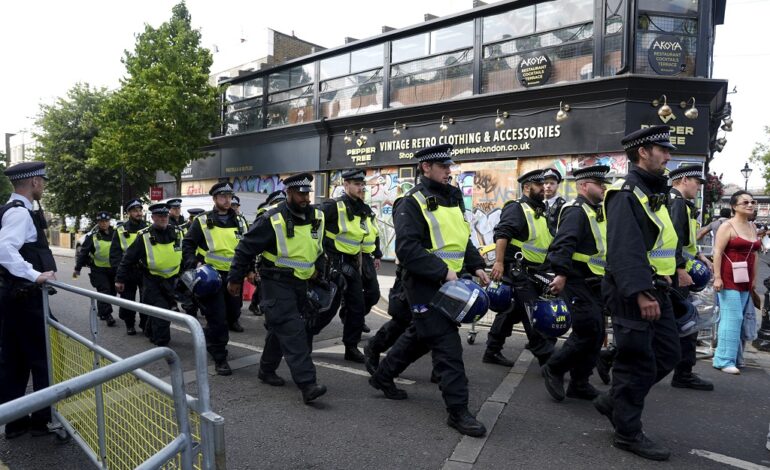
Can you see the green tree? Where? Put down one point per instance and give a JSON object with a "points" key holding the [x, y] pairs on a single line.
{"points": [[166, 109], [5, 184], [761, 155], [68, 127]]}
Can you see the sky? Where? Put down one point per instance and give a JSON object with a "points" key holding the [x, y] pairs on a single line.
{"points": [[48, 46]]}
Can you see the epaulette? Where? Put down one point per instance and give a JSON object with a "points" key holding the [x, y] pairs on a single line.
{"points": [[511, 202]]}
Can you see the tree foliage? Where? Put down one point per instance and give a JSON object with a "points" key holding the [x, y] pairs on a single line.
{"points": [[761, 154], [166, 109], [68, 127], [5, 184]]}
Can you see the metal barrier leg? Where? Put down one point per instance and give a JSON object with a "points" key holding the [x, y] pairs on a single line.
{"points": [[98, 390], [216, 425]]}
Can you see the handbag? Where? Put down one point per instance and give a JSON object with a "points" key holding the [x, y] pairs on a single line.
{"points": [[740, 269]]}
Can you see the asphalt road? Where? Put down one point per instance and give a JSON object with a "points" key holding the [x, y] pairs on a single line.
{"points": [[354, 426]]}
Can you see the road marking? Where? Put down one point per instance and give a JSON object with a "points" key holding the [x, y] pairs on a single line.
{"points": [[723, 459]]}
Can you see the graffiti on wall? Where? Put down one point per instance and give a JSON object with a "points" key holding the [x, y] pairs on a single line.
{"points": [[257, 183]]}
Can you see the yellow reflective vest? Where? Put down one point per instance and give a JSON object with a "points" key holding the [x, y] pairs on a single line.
{"points": [[126, 238], [596, 262], [352, 234], [221, 241], [101, 254], [690, 249], [449, 231], [535, 247], [300, 252], [162, 259]]}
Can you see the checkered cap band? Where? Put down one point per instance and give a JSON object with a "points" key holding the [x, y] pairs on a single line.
{"points": [[224, 189], [302, 182], [649, 139], [435, 156], [687, 174], [28, 174], [591, 174]]}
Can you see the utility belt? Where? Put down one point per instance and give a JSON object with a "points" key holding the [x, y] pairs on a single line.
{"points": [[268, 270]]}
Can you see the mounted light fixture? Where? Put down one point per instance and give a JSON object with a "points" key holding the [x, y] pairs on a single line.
{"points": [[728, 125], [397, 128], [443, 127], [722, 141], [500, 120], [692, 112], [665, 109], [562, 115], [347, 139]]}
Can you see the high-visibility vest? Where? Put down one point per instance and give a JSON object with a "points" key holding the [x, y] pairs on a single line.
{"points": [[597, 262], [300, 252], [535, 247], [662, 256], [690, 250], [221, 241], [126, 238], [350, 233], [369, 243], [449, 231], [163, 259], [101, 254]]}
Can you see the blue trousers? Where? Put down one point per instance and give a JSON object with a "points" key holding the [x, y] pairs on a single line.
{"points": [[731, 306]]}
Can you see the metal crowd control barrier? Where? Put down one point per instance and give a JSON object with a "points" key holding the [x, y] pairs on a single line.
{"points": [[131, 420], [56, 393]]}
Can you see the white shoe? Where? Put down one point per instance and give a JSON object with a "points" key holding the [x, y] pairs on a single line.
{"points": [[731, 370]]}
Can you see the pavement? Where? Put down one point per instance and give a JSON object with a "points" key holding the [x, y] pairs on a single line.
{"points": [[353, 426]]}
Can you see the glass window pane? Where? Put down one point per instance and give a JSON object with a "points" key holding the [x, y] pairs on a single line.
{"points": [[244, 116], [302, 74], [351, 95], [451, 38], [551, 15], [437, 78], [510, 24], [252, 88], [294, 111], [234, 93], [278, 80], [335, 66], [670, 6], [368, 58], [411, 47]]}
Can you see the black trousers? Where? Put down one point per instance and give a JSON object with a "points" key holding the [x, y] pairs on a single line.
{"points": [[524, 295], [131, 287], [580, 351], [353, 305], [432, 332], [103, 280], [370, 283], [159, 292], [400, 319], [283, 301], [215, 307], [687, 345], [23, 354], [646, 352]]}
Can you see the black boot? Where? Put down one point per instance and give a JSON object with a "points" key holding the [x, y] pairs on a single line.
{"points": [[582, 390], [642, 446], [372, 358], [312, 391], [352, 354], [554, 383], [271, 378], [130, 330], [109, 319], [236, 326], [222, 367], [604, 364], [254, 308], [462, 420], [690, 380], [366, 329], [496, 358], [603, 404], [388, 388]]}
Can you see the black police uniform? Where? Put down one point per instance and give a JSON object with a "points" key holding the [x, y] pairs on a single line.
{"points": [[422, 275], [646, 350], [102, 278], [388, 334], [22, 325], [272, 199], [552, 209], [360, 289], [582, 293], [156, 290], [133, 279], [513, 224], [284, 296]]}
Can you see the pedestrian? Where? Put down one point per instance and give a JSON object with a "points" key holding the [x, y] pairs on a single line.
{"points": [[158, 255], [724, 214], [289, 238], [523, 228], [26, 263], [175, 216], [95, 253], [553, 201], [125, 235], [641, 258], [351, 243], [687, 181], [273, 199], [735, 275], [578, 258], [433, 245], [216, 233]]}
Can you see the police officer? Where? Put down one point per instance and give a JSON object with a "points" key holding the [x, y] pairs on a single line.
{"points": [[351, 235], [400, 319], [577, 256], [289, 238], [523, 227], [236, 205], [192, 214], [273, 199], [687, 181], [216, 234], [175, 216], [641, 248], [553, 202], [433, 245], [95, 253], [158, 254], [125, 235], [26, 263]]}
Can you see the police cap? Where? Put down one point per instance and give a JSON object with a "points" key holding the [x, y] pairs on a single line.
{"points": [[221, 188], [552, 173], [534, 176], [195, 211], [595, 172], [24, 170], [688, 171], [160, 208], [174, 203], [658, 135], [275, 197], [353, 175], [300, 182], [102, 215], [133, 203], [236, 201], [436, 154]]}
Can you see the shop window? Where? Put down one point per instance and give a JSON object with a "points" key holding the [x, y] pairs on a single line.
{"points": [[437, 78], [435, 42], [354, 90], [683, 7], [678, 33], [519, 22], [561, 13], [405, 173], [243, 107], [614, 11], [290, 98], [322, 185]]}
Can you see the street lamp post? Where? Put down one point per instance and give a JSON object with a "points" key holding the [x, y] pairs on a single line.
{"points": [[746, 172]]}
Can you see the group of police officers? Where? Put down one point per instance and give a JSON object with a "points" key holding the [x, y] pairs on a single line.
{"points": [[619, 250]]}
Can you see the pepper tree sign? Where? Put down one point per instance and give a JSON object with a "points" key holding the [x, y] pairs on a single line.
{"points": [[667, 55], [534, 70]]}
